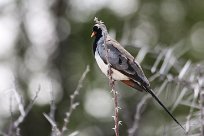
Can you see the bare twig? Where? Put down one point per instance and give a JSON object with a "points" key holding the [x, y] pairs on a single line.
{"points": [[190, 115], [111, 82], [196, 93], [141, 54], [115, 93], [23, 113], [55, 130], [52, 105], [159, 58], [11, 112], [133, 130], [75, 133], [201, 92], [73, 104], [19, 101], [14, 127], [116, 108], [181, 75], [202, 112], [52, 110], [27, 110]]}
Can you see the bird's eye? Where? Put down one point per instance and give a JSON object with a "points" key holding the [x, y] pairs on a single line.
{"points": [[95, 28]]}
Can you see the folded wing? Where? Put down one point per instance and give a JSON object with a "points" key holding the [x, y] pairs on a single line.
{"points": [[123, 61]]}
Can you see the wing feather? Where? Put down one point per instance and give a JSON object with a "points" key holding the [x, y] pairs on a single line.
{"points": [[123, 61]]}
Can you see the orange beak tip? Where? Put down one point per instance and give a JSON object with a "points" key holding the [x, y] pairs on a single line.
{"points": [[93, 34]]}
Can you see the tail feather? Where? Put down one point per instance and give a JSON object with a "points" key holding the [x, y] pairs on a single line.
{"points": [[133, 84], [164, 107], [141, 88]]}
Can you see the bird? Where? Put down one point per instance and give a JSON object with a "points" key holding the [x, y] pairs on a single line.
{"points": [[109, 54]]}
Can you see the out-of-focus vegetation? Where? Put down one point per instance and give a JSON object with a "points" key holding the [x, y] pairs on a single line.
{"points": [[45, 45]]}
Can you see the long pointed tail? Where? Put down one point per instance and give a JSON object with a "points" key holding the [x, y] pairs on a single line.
{"points": [[164, 107]]}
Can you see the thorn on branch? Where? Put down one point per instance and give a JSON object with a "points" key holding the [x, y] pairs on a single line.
{"points": [[119, 122]]}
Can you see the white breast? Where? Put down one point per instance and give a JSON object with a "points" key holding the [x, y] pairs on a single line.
{"points": [[116, 75]]}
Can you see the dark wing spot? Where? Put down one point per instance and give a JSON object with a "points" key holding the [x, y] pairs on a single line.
{"points": [[120, 61]]}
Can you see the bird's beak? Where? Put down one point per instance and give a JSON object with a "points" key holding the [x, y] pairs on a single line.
{"points": [[93, 34]]}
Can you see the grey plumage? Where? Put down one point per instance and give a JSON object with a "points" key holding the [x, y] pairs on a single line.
{"points": [[125, 67], [120, 59]]}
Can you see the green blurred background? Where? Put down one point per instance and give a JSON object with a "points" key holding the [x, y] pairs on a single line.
{"points": [[47, 43]]}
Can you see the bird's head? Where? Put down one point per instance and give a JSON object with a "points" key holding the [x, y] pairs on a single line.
{"points": [[99, 29]]}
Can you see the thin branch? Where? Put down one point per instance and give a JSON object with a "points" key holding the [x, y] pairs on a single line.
{"points": [[14, 125], [116, 108], [156, 63], [190, 115], [52, 110], [19, 101], [134, 129], [200, 80], [12, 115], [141, 54], [27, 110], [74, 133], [202, 112], [52, 105], [114, 92], [55, 130], [73, 104], [196, 93]]}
